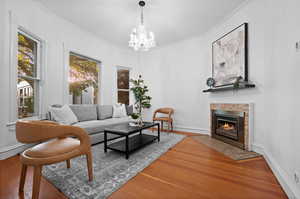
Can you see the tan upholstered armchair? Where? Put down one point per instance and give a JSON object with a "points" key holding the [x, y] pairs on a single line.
{"points": [[59, 144], [168, 118]]}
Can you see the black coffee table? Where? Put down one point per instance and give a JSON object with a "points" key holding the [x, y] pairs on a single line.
{"points": [[132, 141]]}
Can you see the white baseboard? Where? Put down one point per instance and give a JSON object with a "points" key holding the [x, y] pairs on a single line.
{"points": [[7, 152], [286, 183], [258, 149], [192, 130]]}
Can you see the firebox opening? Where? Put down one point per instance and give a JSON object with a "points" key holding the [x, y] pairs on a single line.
{"points": [[228, 126]]}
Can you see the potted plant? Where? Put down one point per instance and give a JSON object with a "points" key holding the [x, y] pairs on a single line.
{"points": [[142, 100]]}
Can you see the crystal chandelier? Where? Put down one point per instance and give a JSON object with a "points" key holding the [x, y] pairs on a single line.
{"points": [[140, 39]]}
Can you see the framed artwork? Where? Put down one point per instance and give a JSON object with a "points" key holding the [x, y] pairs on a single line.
{"points": [[230, 57]]}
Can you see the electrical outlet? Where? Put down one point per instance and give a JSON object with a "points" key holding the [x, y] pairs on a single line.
{"points": [[297, 177]]}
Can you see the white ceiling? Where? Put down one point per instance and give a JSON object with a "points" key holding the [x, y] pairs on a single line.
{"points": [[170, 20]]}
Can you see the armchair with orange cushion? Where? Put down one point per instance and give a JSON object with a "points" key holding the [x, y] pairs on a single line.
{"points": [[167, 117], [59, 144]]}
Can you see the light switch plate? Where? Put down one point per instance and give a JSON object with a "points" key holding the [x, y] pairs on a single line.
{"points": [[297, 177], [298, 46]]}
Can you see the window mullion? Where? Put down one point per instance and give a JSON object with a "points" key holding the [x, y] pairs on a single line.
{"points": [[29, 77], [119, 89]]}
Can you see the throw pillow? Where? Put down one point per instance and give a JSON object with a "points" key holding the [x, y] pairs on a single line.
{"points": [[119, 110], [63, 115], [129, 109]]}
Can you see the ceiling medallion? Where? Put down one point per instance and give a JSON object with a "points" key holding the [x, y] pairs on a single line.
{"points": [[140, 39]]}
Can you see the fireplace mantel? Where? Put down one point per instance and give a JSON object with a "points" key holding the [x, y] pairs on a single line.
{"points": [[247, 108]]}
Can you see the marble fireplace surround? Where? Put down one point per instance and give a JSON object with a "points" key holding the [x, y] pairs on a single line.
{"points": [[247, 108]]}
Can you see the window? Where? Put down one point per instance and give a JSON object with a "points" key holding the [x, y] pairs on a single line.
{"points": [[28, 75], [123, 86], [83, 80]]}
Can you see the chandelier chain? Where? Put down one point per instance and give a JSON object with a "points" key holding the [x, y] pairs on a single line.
{"points": [[142, 16]]}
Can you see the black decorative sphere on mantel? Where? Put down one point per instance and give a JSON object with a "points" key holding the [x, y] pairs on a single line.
{"points": [[142, 3], [210, 82]]}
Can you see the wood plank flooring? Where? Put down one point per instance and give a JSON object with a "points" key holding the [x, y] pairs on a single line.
{"points": [[188, 170], [10, 170]]}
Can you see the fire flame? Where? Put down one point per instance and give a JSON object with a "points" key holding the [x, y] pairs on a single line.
{"points": [[227, 126]]}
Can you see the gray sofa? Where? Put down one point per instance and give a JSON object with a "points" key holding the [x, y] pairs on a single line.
{"points": [[94, 118]]}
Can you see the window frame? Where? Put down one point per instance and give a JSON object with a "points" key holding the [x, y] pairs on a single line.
{"points": [[67, 72], [37, 78], [15, 24], [127, 90]]}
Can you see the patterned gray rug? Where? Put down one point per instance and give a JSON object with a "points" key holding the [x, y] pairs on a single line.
{"points": [[111, 170]]}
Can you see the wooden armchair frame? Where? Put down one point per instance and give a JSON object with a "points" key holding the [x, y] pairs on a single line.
{"points": [[169, 112], [40, 131]]}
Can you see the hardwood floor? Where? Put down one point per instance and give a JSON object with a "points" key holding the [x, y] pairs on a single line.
{"points": [[188, 170], [10, 173]]}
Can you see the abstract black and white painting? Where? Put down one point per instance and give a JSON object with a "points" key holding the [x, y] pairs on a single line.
{"points": [[230, 57]]}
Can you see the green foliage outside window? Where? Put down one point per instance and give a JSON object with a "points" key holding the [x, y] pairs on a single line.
{"points": [[27, 70], [82, 75]]}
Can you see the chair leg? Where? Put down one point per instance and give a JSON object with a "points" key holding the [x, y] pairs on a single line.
{"points": [[23, 178], [172, 126], [90, 165], [169, 128], [162, 125], [152, 129], [68, 164], [36, 182]]}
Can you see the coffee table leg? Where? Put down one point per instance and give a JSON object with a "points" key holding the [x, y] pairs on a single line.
{"points": [[127, 148], [158, 132], [105, 142]]}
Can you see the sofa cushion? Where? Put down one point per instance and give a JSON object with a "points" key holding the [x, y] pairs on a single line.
{"points": [[97, 126], [105, 111], [85, 112], [118, 120]]}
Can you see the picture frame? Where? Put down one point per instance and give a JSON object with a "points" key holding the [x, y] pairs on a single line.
{"points": [[230, 57]]}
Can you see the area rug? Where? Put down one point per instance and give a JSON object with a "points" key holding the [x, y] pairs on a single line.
{"points": [[111, 169], [227, 149]]}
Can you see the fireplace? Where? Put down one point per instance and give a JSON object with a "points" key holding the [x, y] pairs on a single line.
{"points": [[228, 126]]}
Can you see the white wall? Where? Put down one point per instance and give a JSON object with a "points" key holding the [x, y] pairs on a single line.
{"points": [[177, 75], [185, 66], [60, 36]]}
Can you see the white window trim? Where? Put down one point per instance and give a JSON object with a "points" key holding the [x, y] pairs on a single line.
{"points": [[66, 67], [14, 29]]}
